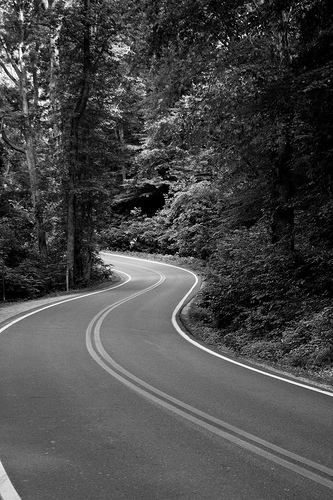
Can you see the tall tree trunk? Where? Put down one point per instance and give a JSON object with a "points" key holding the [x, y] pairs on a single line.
{"points": [[86, 253], [30, 143], [78, 111], [282, 225], [53, 95], [121, 138]]}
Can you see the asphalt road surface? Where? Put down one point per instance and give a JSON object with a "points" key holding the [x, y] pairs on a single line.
{"points": [[103, 397]]}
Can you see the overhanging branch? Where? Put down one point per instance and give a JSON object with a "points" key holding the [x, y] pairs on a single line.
{"points": [[8, 73], [9, 143]]}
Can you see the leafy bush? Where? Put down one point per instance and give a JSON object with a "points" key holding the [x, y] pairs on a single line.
{"points": [[248, 281], [269, 304], [264, 350], [192, 217], [115, 238], [182, 227], [310, 342], [33, 278]]}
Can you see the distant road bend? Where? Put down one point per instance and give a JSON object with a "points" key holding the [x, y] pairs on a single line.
{"points": [[103, 396]]}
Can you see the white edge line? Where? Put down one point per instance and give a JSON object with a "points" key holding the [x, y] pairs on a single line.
{"points": [[210, 351], [31, 313], [100, 355], [139, 385], [168, 404], [7, 490]]}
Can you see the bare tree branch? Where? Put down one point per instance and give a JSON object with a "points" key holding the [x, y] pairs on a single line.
{"points": [[11, 61], [8, 73]]}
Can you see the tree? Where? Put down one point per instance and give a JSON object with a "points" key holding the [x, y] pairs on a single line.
{"points": [[94, 75], [63, 74], [21, 45]]}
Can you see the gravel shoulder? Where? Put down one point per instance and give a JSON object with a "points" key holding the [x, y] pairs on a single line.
{"points": [[12, 309]]}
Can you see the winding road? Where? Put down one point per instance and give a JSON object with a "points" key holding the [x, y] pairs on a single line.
{"points": [[104, 397]]}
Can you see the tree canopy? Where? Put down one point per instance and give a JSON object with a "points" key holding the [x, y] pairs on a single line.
{"points": [[199, 129]]}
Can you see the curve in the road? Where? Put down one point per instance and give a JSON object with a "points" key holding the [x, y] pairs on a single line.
{"points": [[214, 353], [280, 456], [307, 468]]}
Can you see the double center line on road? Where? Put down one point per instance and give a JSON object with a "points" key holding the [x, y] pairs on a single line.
{"points": [[287, 459]]}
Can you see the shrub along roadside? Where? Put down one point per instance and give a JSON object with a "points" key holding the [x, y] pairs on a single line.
{"points": [[35, 277], [260, 303], [305, 349]]}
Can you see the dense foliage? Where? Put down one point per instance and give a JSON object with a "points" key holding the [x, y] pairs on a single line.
{"points": [[193, 128]]}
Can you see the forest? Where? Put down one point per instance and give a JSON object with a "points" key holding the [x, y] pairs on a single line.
{"points": [[197, 131]]}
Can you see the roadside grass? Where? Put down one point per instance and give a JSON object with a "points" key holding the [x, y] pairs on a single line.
{"points": [[263, 353]]}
